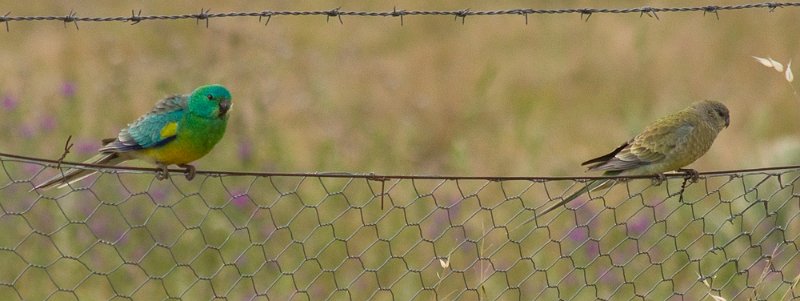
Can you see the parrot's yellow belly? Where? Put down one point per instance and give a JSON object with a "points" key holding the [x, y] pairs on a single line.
{"points": [[193, 140], [176, 152]]}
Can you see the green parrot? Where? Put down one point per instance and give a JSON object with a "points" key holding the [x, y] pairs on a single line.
{"points": [[178, 130], [667, 144]]}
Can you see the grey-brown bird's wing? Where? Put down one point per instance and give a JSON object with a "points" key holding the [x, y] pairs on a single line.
{"points": [[652, 146]]}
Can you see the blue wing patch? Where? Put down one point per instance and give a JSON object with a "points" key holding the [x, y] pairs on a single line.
{"points": [[153, 129]]}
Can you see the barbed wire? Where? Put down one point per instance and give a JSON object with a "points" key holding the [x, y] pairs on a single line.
{"points": [[206, 14]]}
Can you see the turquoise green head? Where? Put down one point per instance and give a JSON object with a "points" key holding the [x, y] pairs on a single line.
{"points": [[211, 101]]}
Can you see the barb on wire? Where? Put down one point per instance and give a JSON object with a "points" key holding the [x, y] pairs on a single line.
{"points": [[772, 6], [72, 17], [646, 10], [203, 15], [4, 19], [136, 17], [334, 13], [462, 14], [711, 9], [587, 13], [265, 14], [206, 15], [396, 13]]}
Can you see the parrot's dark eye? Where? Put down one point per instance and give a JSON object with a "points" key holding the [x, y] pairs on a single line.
{"points": [[210, 97]]}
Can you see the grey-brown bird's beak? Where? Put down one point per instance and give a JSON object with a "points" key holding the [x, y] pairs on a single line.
{"points": [[224, 106], [727, 121]]}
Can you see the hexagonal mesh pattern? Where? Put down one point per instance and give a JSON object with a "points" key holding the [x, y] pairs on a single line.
{"points": [[124, 234]]}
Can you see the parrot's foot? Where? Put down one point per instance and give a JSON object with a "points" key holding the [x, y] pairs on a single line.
{"points": [[691, 174], [190, 171], [162, 173], [659, 178]]}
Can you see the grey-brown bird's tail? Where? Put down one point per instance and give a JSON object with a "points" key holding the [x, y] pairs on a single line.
{"points": [[595, 184], [73, 175]]}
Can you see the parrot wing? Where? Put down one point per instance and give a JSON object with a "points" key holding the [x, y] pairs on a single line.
{"points": [[153, 129], [655, 144], [604, 158]]}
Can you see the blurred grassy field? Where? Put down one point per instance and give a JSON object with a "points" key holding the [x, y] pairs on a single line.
{"points": [[491, 96]]}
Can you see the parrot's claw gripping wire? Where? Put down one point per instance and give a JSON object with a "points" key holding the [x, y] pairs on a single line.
{"points": [[163, 173], [190, 171], [691, 174]]}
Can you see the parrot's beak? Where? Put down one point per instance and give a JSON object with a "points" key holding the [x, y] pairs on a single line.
{"points": [[224, 106], [727, 121]]}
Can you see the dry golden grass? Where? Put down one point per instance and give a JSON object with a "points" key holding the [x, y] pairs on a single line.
{"points": [[492, 96], [489, 97]]}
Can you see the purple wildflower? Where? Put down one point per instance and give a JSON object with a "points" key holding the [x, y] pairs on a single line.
{"points": [[47, 123], [98, 224], [87, 208], [68, 89], [438, 222], [26, 131], [158, 195], [9, 102], [240, 200], [579, 234], [245, 150], [592, 248], [639, 224], [85, 147], [31, 168]]}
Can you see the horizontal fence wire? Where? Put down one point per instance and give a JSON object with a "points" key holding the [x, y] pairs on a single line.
{"points": [[374, 176], [205, 14], [124, 234]]}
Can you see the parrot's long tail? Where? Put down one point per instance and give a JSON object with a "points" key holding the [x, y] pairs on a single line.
{"points": [[76, 174], [596, 184]]}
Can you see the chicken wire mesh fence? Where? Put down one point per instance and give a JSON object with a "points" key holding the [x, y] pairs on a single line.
{"points": [[124, 234]]}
